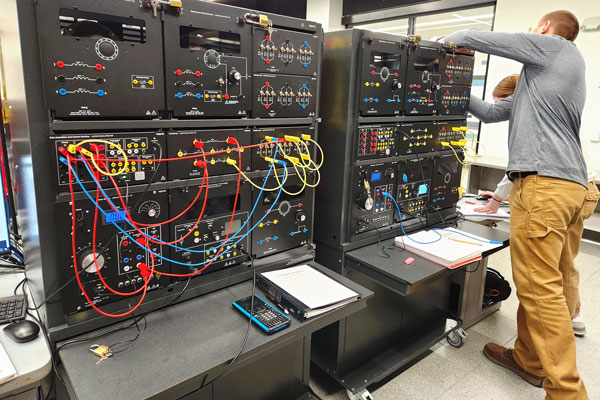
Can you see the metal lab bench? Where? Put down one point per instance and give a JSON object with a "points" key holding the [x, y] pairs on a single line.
{"points": [[407, 315], [190, 343]]}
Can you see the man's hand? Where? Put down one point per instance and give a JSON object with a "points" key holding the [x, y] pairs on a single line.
{"points": [[488, 194], [490, 208], [492, 205]]}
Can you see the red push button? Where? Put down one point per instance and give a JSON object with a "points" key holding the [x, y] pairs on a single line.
{"points": [[60, 64], [226, 96], [268, 37], [268, 61], [197, 73], [266, 106], [98, 67], [178, 72], [267, 83]]}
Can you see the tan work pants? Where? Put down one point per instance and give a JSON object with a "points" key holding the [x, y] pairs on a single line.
{"points": [[569, 271], [545, 214]]}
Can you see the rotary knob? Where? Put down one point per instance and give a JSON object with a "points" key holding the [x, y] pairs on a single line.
{"points": [[300, 217], [151, 208], [235, 76], [269, 199], [365, 201], [86, 261]]}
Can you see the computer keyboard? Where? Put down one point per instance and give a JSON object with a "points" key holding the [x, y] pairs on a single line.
{"points": [[12, 308]]}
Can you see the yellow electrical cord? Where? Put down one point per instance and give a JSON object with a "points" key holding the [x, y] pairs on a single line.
{"points": [[446, 144], [320, 151], [478, 142], [307, 155], [302, 180], [295, 163], [89, 154], [234, 164]]}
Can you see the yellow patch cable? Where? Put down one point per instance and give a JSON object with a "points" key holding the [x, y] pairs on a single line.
{"points": [[234, 164], [89, 154]]}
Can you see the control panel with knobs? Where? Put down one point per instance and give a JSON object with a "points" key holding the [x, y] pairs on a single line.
{"points": [[371, 208], [141, 149], [202, 242], [445, 182], [91, 74], [288, 223], [193, 142], [423, 79], [413, 187], [284, 51], [288, 148], [284, 96], [449, 131], [115, 254], [377, 141], [417, 137], [208, 63], [382, 77]]}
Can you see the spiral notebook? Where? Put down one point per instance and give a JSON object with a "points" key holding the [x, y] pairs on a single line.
{"points": [[451, 250]]}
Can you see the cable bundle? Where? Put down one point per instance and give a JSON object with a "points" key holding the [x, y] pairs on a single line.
{"points": [[95, 165]]}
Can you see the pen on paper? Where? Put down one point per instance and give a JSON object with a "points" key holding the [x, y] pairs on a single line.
{"points": [[462, 241]]}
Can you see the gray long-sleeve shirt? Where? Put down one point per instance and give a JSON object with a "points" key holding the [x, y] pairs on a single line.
{"points": [[545, 116]]}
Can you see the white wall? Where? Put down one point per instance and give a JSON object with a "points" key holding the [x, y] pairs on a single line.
{"points": [[517, 16], [327, 12]]}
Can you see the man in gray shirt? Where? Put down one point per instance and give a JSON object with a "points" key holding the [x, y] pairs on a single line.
{"points": [[549, 173]]}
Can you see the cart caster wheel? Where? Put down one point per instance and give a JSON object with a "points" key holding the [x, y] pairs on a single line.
{"points": [[457, 337], [361, 395]]}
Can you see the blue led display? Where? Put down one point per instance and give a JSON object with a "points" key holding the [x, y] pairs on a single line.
{"points": [[422, 189], [115, 217], [375, 176]]}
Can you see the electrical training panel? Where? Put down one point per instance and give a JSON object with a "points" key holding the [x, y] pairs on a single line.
{"points": [[395, 139], [144, 199]]}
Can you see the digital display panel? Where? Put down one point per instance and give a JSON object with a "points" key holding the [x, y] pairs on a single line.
{"points": [[114, 217], [375, 176]]}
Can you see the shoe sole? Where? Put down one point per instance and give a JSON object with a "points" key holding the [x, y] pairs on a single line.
{"points": [[519, 372], [579, 333]]}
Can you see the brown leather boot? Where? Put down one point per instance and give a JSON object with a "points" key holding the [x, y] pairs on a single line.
{"points": [[503, 357]]}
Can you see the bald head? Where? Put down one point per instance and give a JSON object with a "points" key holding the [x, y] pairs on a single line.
{"points": [[561, 22]]}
